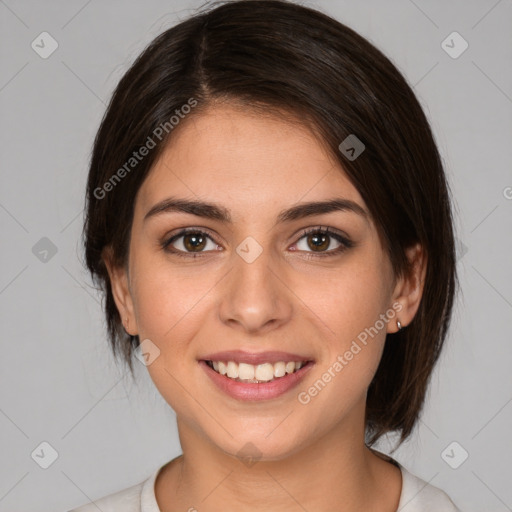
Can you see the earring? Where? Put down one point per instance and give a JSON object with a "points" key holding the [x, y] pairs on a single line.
{"points": [[399, 325]]}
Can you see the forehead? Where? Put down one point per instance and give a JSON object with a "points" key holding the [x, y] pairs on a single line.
{"points": [[246, 161]]}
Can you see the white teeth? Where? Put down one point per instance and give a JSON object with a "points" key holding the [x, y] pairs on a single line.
{"points": [[264, 372], [279, 369], [245, 371], [222, 368], [290, 367], [253, 373], [232, 370]]}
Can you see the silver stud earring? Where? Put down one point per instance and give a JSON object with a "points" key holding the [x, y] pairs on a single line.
{"points": [[399, 325]]}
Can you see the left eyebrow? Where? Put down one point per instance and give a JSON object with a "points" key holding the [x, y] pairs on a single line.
{"points": [[222, 214], [303, 210]]}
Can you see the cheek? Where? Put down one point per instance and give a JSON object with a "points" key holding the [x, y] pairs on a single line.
{"points": [[344, 375], [168, 299], [171, 306], [348, 301], [348, 309], [170, 311]]}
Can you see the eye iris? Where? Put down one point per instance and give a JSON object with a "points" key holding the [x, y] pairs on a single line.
{"points": [[319, 245], [194, 241]]}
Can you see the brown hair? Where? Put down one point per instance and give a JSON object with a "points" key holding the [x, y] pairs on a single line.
{"points": [[279, 55]]}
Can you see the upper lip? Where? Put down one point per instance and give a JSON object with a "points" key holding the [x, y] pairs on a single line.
{"points": [[254, 358]]}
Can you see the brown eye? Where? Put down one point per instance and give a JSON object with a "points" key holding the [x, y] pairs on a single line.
{"points": [[318, 242], [194, 242], [190, 242]]}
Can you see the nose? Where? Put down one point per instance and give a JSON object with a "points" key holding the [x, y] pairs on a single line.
{"points": [[255, 297]]}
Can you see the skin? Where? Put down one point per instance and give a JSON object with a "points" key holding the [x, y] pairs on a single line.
{"points": [[311, 456]]}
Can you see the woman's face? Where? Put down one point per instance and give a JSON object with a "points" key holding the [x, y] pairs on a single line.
{"points": [[257, 286]]}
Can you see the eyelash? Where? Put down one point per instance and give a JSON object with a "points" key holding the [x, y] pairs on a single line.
{"points": [[345, 242]]}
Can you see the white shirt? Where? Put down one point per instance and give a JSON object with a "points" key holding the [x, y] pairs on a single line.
{"points": [[416, 496]]}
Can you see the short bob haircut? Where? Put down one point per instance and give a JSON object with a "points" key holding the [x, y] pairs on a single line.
{"points": [[280, 58]]}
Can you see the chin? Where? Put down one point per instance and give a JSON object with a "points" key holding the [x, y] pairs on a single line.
{"points": [[251, 447]]}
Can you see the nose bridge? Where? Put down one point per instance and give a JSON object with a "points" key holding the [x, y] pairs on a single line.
{"points": [[252, 266], [254, 296]]}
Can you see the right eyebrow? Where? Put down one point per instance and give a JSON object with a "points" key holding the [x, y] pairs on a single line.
{"points": [[220, 213]]}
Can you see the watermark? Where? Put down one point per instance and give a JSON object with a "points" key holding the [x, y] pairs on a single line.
{"points": [[147, 352], [249, 249], [138, 156], [507, 192], [351, 147], [249, 454], [44, 249], [454, 455], [304, 397], [454, 45], [44, 454], [44, 45]]}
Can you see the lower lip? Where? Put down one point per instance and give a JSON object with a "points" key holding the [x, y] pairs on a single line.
{"points": [[257, 391]]}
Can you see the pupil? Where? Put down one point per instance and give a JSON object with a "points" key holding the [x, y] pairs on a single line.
{"points": [[194, 241], [322, 244]]}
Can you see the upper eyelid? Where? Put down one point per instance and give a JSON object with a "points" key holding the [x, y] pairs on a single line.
{"points": [[301, 234]]}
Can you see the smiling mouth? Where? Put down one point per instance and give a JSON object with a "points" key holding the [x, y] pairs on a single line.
{"points": [[256, 374]]}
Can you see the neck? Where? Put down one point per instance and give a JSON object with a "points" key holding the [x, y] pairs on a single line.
{"points": [[336, 472]]}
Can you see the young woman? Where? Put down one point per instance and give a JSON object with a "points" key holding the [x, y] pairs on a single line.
{"points": [[269, 219]]}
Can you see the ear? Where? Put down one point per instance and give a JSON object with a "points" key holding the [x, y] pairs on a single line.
{"points": [[409, 288], [119, 280]]}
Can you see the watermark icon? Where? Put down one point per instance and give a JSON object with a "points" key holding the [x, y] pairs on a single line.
{"points": [[147, 352], [304, 397], [454, 45], [137, 156], [460, 249], [507, 192], [44, 249], [249, 249], [249, 454], [454, 455], [44, 45], [44, 455], [351, 147]]}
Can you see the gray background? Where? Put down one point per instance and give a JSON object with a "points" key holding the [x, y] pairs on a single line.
{"points": [[58, 381]]}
